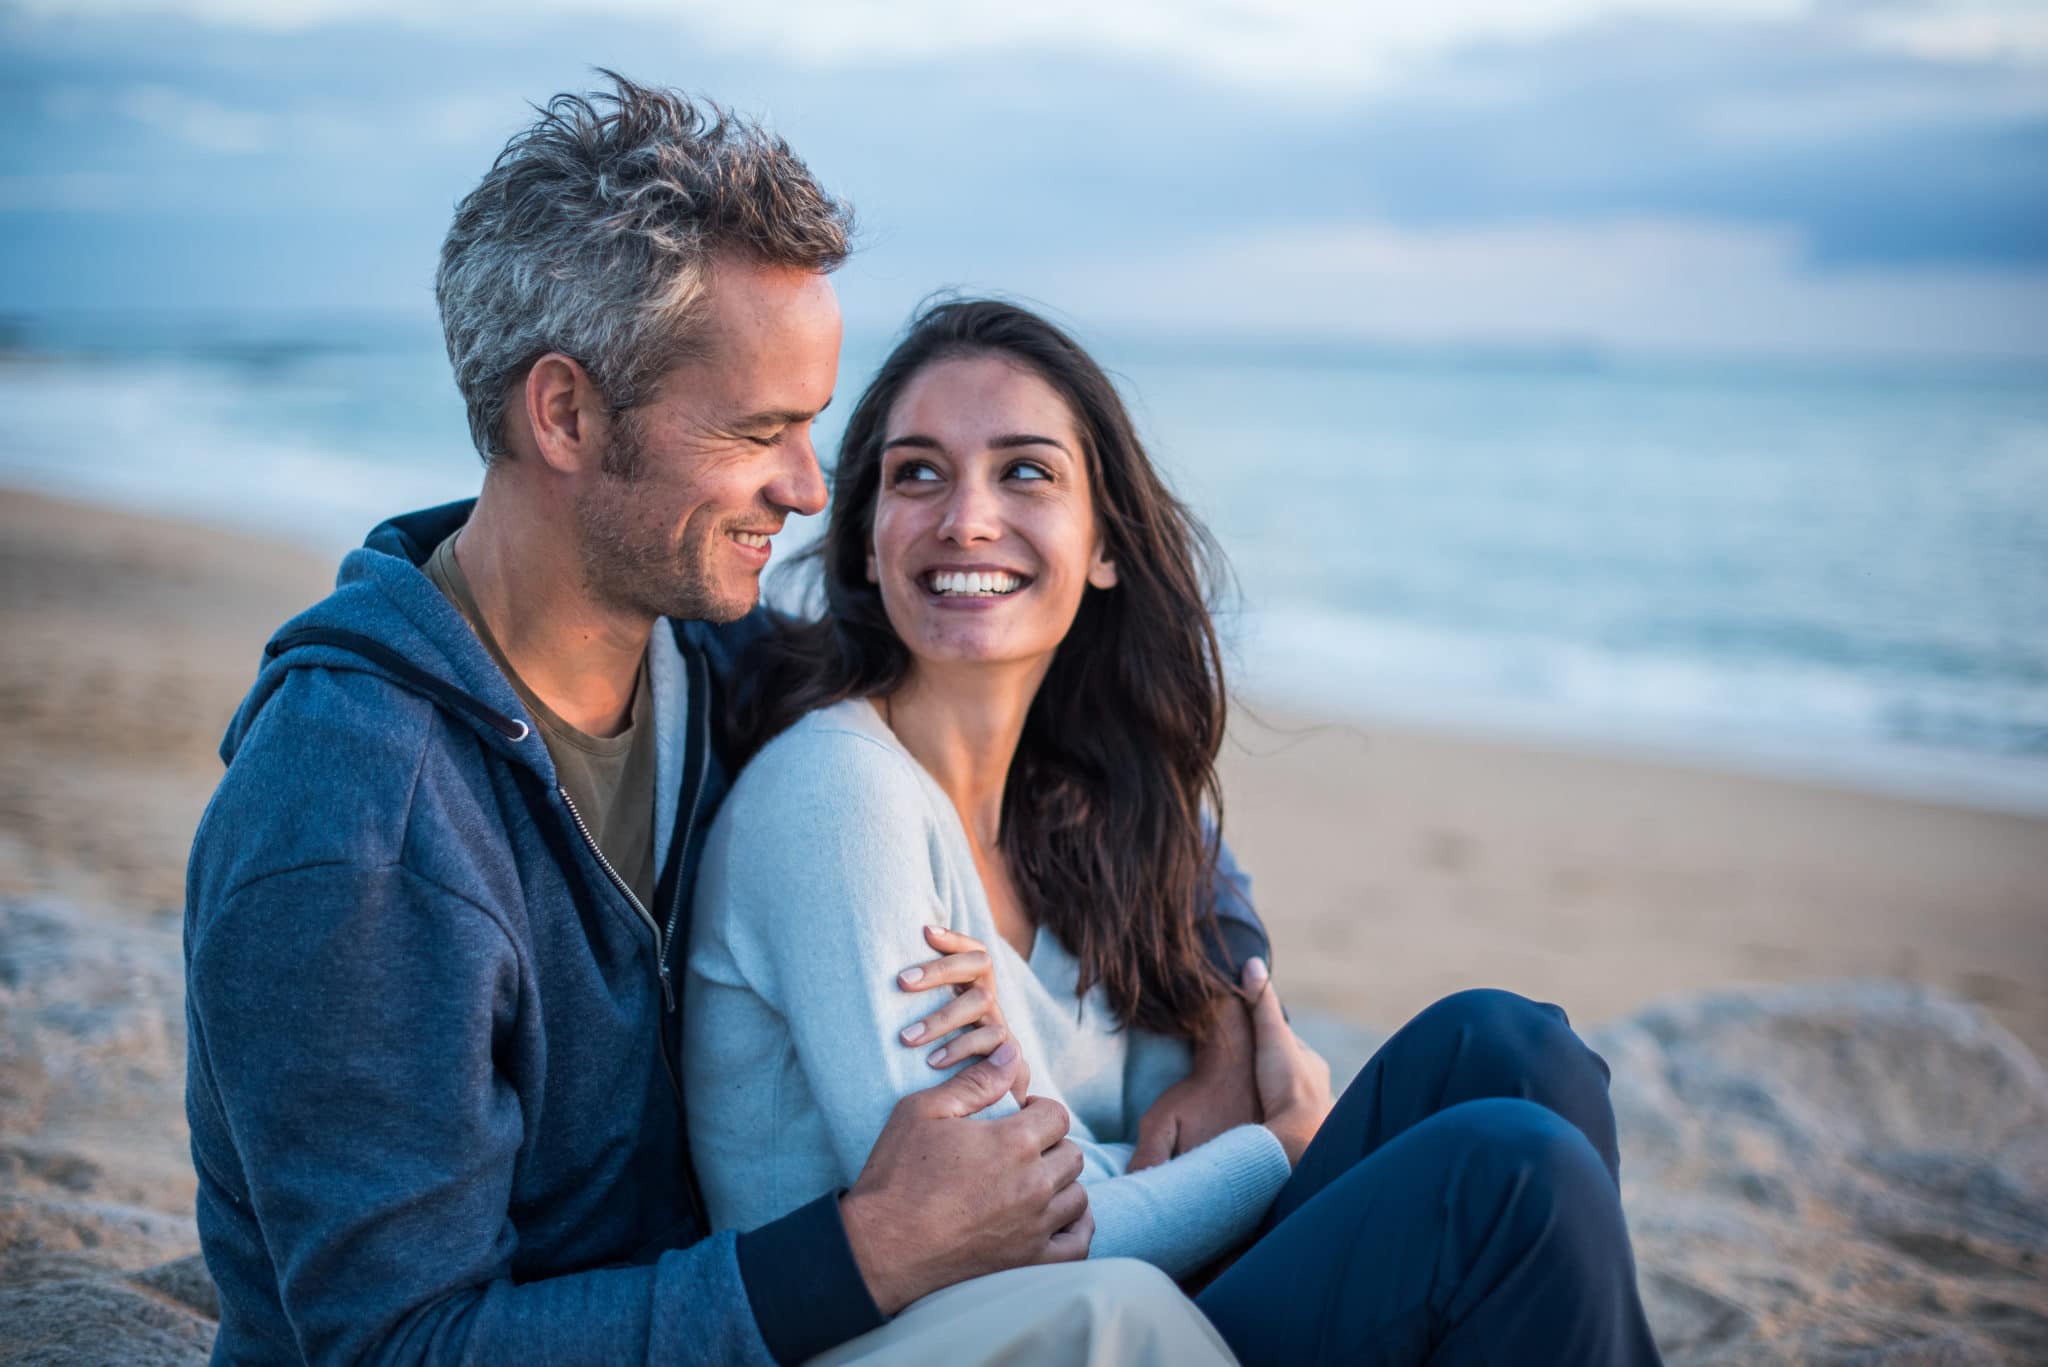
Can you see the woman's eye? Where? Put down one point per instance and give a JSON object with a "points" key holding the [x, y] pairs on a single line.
{"points": [[1027, 470], [914, 471]]}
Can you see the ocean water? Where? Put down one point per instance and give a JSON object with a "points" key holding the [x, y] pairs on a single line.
{"points": [[1839, 572]]}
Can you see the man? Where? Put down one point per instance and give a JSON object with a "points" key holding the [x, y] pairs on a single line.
{"points": [[434, 909]]}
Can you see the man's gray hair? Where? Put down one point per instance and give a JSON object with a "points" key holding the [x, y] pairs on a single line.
{"points": [[593, 232]]}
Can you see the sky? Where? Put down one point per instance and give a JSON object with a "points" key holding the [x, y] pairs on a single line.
{"points": [[1753, 177]]}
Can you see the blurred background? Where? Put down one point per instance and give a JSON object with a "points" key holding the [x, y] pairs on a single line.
{"points": [[1627, 424], [1659, 373]]}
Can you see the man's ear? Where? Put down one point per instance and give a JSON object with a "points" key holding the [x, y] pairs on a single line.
{"points": [[1102, 570], [566, 417]]}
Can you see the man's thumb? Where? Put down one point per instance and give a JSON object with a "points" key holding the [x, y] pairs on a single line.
{"points": [[1268, 1021], [979, 1085]]}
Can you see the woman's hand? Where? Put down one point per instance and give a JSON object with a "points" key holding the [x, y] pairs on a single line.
{"points": [[1294, 1081], [965, 967]]}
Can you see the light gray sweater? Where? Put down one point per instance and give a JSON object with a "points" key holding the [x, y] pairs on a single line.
{"points": [[834, 848]]}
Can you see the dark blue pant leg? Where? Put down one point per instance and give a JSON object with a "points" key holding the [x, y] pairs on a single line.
{"points": [[1490, 1232], [1469, 1046]]}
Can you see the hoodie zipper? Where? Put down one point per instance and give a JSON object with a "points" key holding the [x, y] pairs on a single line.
{"points": [[668, 998]]}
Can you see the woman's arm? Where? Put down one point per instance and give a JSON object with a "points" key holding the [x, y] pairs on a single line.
{"points": [[1178, 1216], [821, 898]]}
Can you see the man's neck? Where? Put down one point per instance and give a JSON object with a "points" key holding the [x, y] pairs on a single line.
{"points": [[579, 657]]}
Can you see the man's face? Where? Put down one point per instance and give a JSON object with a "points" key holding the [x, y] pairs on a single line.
{"points": [[701, 474]]}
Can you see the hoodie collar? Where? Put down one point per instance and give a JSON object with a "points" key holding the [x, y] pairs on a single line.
{"points": [[381, 596]]}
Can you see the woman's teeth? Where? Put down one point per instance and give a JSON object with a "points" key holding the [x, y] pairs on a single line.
{"points": [[979, 584]]}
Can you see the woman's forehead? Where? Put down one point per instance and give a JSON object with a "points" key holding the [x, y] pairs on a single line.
{"points": [[975, 398]]}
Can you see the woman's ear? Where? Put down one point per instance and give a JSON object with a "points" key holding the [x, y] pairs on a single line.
{"points": [[1102, 570], [873, 576]]}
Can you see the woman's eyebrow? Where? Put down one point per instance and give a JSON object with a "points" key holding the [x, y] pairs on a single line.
{"points": [[918, 441], [1010, 439]]}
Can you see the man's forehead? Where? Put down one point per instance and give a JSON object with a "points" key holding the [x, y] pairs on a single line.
{"points": [[748, 303], [766, 345]]}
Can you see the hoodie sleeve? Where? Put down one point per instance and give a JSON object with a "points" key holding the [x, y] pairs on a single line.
{"points": [[1242, 935], [384, 1207]]}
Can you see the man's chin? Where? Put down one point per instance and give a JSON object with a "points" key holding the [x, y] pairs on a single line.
{"points": [[728, 604]]}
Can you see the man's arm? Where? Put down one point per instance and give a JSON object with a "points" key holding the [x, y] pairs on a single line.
{"points": [[347, 1020], [1219, 1092], [1241, 934]]}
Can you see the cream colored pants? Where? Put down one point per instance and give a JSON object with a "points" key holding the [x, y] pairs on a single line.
{"points": [[1109, 1313]]}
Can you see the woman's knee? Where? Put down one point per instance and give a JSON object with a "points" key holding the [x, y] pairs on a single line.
{"points": [[1531, 1151], [1499, 1043]]}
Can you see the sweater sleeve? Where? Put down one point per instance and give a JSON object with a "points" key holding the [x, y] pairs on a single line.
{"points": [[1181, 1214], [379, 1138], [821, 905]]}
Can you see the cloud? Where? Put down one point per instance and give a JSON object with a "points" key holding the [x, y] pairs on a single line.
{"points": [[1819, 179], [67, 192], [1627, 285], [1307, 48], [1967, 30], [199, 121]]}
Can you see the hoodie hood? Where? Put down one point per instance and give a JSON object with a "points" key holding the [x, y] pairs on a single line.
{"points": [[386, 618]]}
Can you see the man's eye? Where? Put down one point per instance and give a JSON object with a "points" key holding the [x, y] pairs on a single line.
{"points": [[772, 439]]}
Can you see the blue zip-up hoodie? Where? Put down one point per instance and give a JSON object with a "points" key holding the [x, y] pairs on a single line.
{"points": [[431, 1079]]}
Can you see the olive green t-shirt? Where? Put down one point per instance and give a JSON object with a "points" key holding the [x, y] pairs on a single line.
{"points": [[610, 779]]}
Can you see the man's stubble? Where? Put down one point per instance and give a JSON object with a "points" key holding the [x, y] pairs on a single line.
{"points": [[633, 560]]}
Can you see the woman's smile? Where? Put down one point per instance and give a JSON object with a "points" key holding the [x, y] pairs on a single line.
{"points": [[971, 586]]}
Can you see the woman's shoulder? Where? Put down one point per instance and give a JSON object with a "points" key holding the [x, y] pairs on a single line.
{"points": [[829, 819], [838, 757]]}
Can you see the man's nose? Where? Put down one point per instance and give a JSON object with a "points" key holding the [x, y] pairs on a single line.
{"points": [[972, 514], [800, 485]]}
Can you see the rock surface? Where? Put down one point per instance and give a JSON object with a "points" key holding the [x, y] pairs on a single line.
{"points": [[1843, 1173]]}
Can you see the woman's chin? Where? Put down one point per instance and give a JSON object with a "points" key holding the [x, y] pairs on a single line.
{"points": [[953, 650]]}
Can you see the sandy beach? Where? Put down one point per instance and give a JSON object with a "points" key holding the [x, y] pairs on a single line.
{"points": [[1392, 866]]}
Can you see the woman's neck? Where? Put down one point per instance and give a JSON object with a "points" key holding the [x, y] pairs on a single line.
{"points": [[963, 723]]}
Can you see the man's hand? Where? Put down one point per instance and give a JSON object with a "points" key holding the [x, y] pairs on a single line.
{"points": [[944, 1197], [1218, 1094], [1294, 1081]]}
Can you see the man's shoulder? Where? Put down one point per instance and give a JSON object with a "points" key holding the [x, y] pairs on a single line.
{"points": [[327, 771]]}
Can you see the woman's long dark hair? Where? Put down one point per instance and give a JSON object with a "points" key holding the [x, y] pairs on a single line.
{"points": [[1103, 823]]}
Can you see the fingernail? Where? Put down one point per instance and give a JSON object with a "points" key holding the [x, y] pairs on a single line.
{"points": [[912, 975], [935, 930], [1255, 969], [938, 1058], [1005, 1051], [914, 1033]]}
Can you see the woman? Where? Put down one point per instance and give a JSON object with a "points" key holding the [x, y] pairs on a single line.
{"points": [[1002, 737]]}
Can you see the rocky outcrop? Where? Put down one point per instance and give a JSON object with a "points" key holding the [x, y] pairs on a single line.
{"points": [[1852, 1173]]}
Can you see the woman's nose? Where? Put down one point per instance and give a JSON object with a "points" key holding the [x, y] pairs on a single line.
{"points": [[971, 515]]}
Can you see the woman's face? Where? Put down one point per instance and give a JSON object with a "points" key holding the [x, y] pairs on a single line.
{"points": [[985, 536]]}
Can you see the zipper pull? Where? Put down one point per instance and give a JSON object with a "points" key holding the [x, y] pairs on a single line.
{"points": [[668, 988]]}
